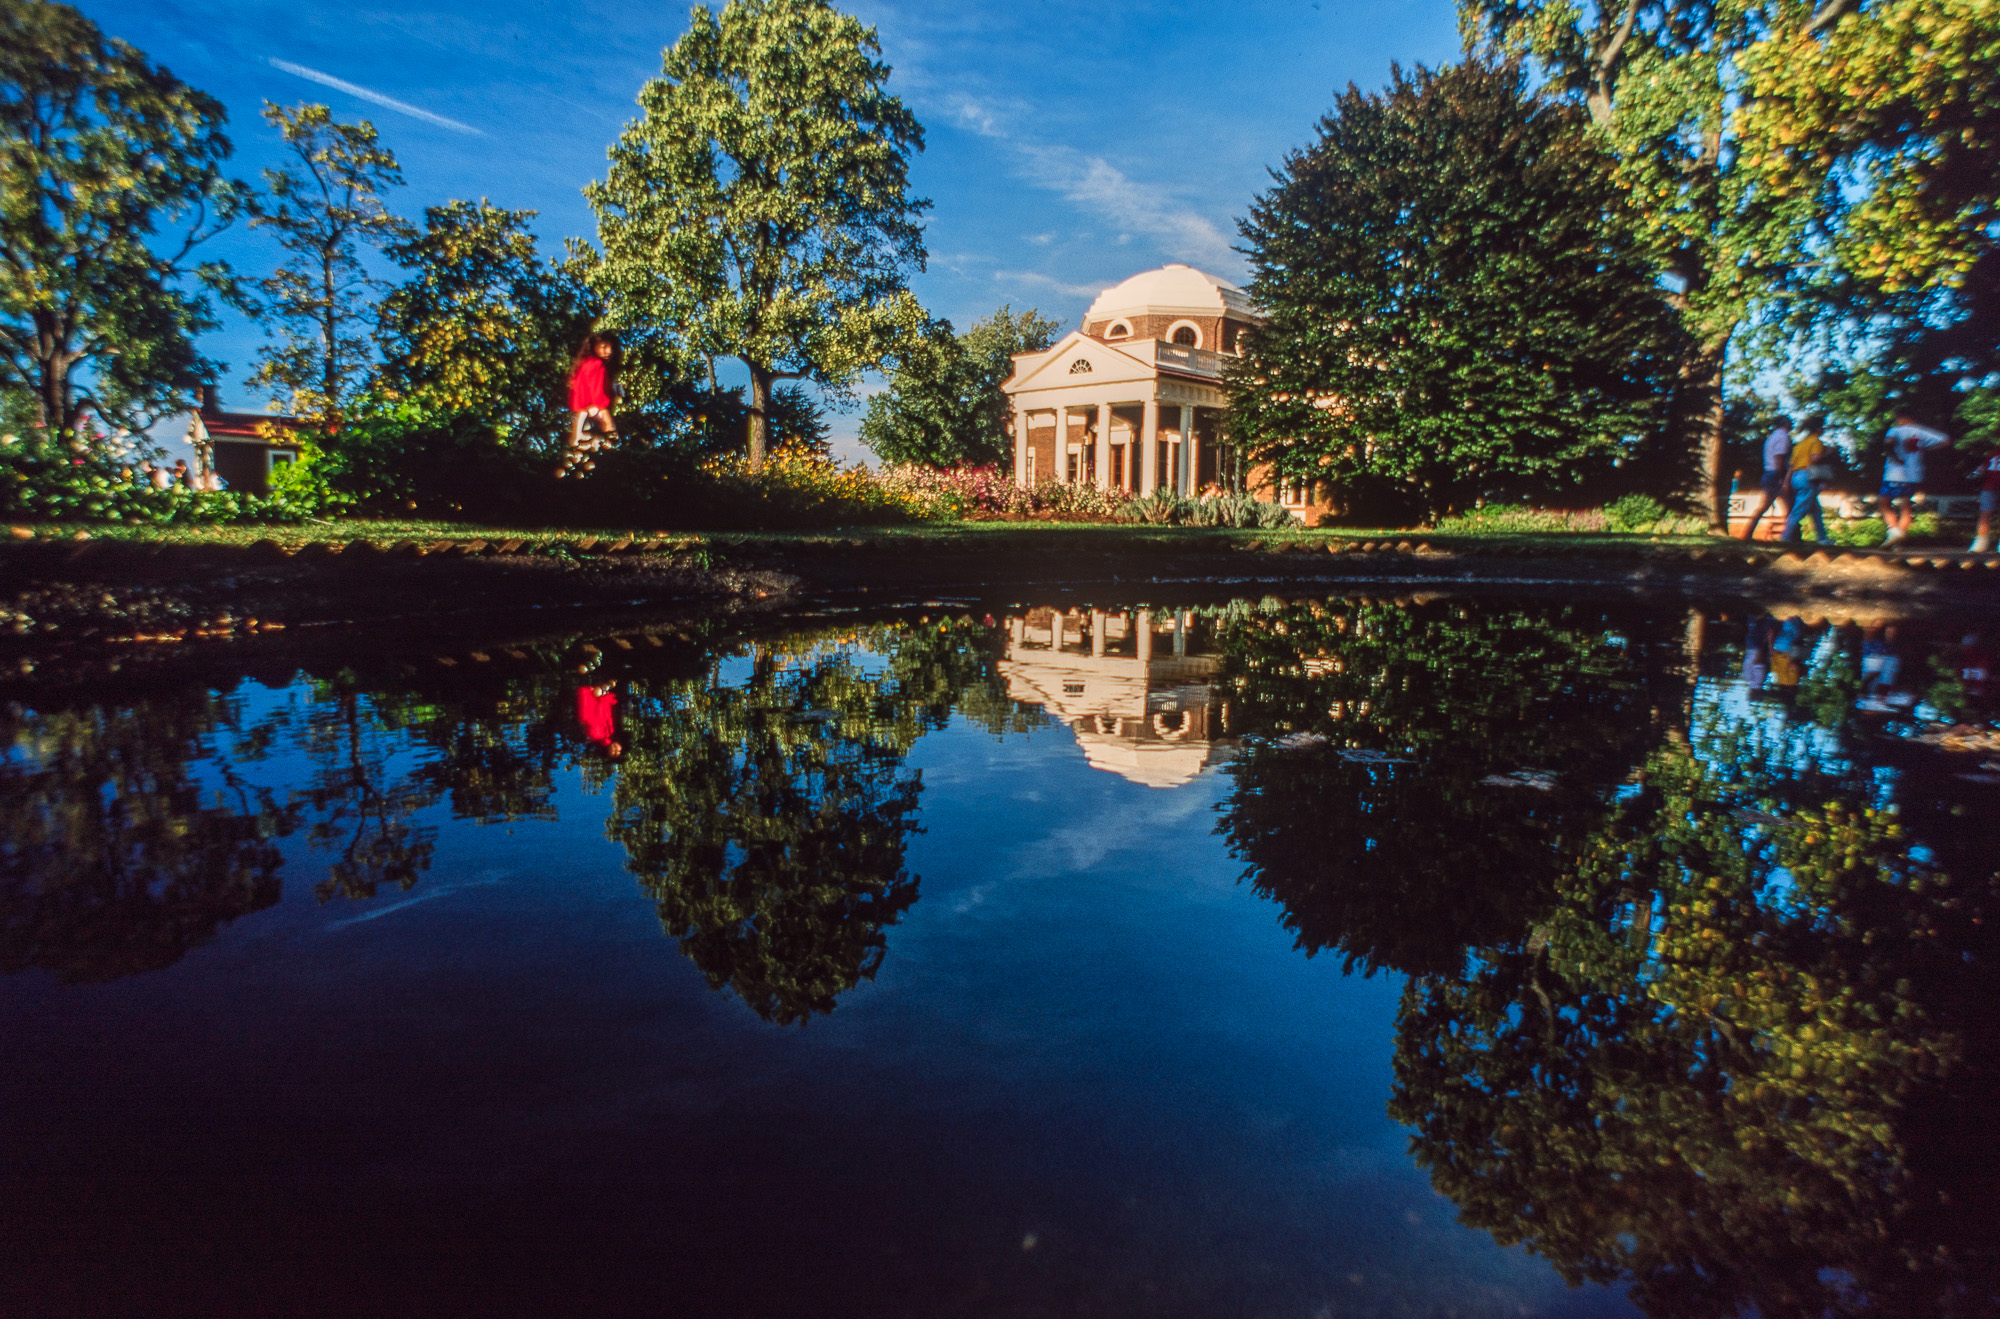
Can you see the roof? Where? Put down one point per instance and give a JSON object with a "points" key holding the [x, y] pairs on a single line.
{"points": [[1174, 290], [222, 425], [1084, 360]]}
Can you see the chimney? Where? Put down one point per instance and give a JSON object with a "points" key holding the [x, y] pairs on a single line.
{"points": [[211, 397]]}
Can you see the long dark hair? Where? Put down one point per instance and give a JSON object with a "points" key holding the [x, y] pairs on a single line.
{"points": [[591, 343]]}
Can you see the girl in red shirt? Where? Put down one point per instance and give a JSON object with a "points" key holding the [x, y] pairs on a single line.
{"points": [[590, 400]]}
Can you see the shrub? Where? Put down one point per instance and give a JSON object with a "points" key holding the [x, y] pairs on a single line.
{"points": [[45, 482], [1635, 513]]}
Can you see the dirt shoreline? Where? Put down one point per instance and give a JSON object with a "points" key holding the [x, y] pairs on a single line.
{"points": [[87, 602]]}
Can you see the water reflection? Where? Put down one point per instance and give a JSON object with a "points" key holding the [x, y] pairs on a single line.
{"points": [[1694, 910]]}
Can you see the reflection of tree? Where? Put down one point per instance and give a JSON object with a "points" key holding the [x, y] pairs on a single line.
{"points": [[125, 838], [361, 809], [769, 821], [1378, 822], [1745, 1060]]}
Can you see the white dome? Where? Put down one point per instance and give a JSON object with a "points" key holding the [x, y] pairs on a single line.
{"points": [[1174, 290]]}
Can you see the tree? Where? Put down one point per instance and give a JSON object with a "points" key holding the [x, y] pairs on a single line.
{"points": [[1458, 305], [760, 205], [1657, 79], [1902, 168], [944, 406], [483, 325], [103, 154], [322, 297]]}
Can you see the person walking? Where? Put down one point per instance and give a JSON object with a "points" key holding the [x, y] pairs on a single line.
{"points": [[1777, 472], [590, 401], [1903, 472], [1808, 472], [1989, 499]]}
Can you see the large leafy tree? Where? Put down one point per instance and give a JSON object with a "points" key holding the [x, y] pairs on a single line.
{"points": [[1458, 306], [759, 207], [944, 405], [110, 177], [323, 207], [1659, 80], [483, 324], [1886, 119]]}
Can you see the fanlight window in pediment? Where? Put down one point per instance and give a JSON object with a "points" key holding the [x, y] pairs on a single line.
{"points": [[1080, 367]]}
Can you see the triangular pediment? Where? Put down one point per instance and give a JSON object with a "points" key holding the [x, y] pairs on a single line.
{"points": [[1059, 368]]}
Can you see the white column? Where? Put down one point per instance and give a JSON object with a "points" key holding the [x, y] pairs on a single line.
{"points": [[1017, 631], [1062, 446], [1143, 644], [1020, 446], [1182, 621], [1149, 449], [1058, 626], [1104, 446], [1183, 469], [1097, 621], [1191, 454]]}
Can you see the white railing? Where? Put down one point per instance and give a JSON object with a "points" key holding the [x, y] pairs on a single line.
{"points": [[1181, 357]]}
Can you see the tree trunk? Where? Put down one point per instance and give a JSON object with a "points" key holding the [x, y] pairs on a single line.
{"points": [[760, 414], [1710, 426]]}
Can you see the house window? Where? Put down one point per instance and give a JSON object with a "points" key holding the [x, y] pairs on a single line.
{"points": [[1118, 330], [278, 458], [1292, 494], [1080, 367], [1031, 466], [1185, 333]]}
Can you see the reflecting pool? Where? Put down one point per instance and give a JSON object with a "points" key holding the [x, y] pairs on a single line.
{"points": [[1338, 956]]}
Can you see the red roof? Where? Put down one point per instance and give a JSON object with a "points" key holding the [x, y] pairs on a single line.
{"points": [[243, 425]]}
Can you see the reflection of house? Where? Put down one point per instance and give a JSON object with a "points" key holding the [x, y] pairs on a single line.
{"points": [[1138, 700]]}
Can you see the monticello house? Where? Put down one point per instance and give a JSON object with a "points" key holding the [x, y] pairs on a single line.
{"points": [[1128, 402]]}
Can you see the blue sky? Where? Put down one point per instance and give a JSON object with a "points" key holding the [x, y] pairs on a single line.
{"points": [[1070, 145]]}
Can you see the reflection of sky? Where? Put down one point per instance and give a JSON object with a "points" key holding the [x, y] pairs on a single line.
{"points": [[1092, 1066]]}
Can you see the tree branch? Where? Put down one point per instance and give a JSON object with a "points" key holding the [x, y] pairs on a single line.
{"points": [[1827, 15]]}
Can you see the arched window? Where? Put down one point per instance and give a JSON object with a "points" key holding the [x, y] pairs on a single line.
{"points": [[1080, 367], [1185, 333], [1118, 330]]}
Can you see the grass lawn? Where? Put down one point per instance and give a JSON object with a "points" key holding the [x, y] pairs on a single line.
{"points": [[941, 535]]}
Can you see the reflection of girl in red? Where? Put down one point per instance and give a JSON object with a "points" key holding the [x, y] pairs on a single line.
{"points": [[590, 391], [597, 711]]}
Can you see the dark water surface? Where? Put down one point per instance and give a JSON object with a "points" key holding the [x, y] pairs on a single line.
{"points": [[1336, 957]]}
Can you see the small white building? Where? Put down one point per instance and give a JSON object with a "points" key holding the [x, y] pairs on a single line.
{"points": [[1130, 401]]}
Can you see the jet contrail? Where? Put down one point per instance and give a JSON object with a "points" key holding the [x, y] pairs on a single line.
{"points": [[387, 102]]}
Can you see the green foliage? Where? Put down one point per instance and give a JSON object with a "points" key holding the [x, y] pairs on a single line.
{"points": [[1635, 513], [321, 300], [483, 325], [759, 206], [55, 483], [1459, 304], [110, 177], [943, 406], [404, 455]]}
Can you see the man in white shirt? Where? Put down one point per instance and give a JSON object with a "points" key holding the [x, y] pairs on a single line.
{"points": [[1903, 472], [1777, 466]]}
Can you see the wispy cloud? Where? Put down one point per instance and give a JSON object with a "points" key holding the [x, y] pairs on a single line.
{"points": [[1036, 279], [373, 97], [1125, 203]]}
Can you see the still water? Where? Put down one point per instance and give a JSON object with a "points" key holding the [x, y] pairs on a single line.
{"points": [[1328, 957]]}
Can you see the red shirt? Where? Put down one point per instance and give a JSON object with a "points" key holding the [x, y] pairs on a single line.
{"points": [[586, 386], [597, 711]]}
